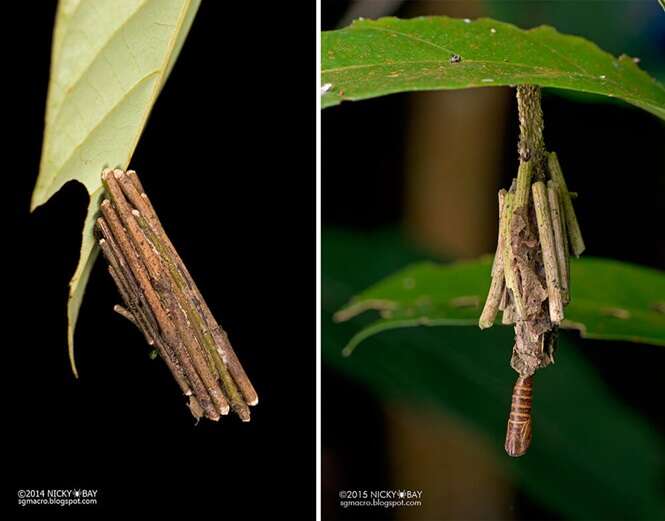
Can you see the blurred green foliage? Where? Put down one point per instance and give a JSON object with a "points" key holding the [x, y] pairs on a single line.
{"points": [[611, 300], [591, 457]]}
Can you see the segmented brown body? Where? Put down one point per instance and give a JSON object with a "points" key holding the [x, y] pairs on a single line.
{"points": [[518, 434]]}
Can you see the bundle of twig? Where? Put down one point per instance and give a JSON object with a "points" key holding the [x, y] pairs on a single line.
{"points": [[531, 270], [163, 301]]}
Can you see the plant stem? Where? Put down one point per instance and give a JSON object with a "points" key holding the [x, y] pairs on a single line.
{"points": [[531, 147]]}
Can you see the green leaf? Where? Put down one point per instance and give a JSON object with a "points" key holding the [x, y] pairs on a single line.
{"points": [[376, 57], [108, 64], [609, 299], [591, 456]]}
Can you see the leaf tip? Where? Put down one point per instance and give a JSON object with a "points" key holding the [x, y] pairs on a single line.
{"points": [[35, 201], [70, 350]]}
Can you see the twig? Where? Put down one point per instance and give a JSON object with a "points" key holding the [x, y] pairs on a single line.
{"points": [[508, 266], [497, 263], [566, 250], [574, 232], [523, 190], [125, 313], [546, 235], [497, 286], [560, 240]]}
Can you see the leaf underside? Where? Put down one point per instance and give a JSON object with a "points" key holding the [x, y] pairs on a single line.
{"points": [[109, 62], [602, 305], [373, 58]]}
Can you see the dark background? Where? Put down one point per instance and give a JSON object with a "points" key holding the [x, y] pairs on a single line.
{"points": [[228, 159], [617, 156]]}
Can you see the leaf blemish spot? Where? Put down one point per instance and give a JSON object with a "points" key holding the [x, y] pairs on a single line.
{"points": [[619, 313], [325, 88], [659, 307], [471, 301], [423, 301], [467, 21], [409, 283], [493, 30]]}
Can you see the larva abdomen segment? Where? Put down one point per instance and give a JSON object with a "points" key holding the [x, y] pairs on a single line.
{"points": [[518, 434]]}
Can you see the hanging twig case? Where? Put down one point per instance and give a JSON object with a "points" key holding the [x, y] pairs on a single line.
{"points": [[531, 272], [160, 297]]}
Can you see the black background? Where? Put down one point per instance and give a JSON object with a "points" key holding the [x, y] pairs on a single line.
{"points": [[228, 159]]}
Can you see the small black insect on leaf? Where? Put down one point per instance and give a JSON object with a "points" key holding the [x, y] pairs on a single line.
{"points": [[455, 58]]}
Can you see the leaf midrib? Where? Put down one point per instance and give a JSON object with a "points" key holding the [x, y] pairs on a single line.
{"points": [[556, 73]]}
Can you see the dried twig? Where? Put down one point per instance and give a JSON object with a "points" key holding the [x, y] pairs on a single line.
{"points": [[574, 232], [497, 287], [508, 257], [546, 236], [560, 239]]}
